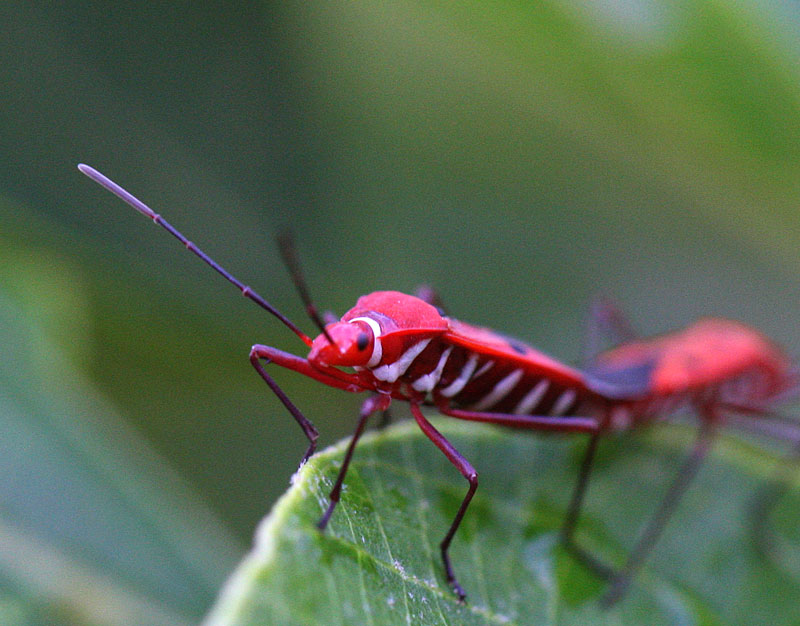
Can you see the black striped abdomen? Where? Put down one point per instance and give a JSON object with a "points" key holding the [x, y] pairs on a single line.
{"points": [[472, 381]]}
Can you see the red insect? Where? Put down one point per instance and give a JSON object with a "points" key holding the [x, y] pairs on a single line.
{"points": [[403, 347]]}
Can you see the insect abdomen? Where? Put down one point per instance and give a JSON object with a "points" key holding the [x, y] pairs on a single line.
{"points": [[467, 379]]}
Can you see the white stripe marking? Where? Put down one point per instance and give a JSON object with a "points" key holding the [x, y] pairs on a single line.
{"points": [[484, 368], [428, 381], [377, 348], [532, 399], [463, 378], [563, 403], [501, 389], [392, 371]]}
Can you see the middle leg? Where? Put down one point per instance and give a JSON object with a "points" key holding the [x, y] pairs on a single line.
{"points": [[468, 472], [372, 404], [532, 422]]}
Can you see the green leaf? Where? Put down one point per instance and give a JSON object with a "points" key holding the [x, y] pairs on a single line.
{"points": [[95, 528], [378, 562]]}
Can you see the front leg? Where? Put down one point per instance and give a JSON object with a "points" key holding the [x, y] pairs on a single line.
{"points": [[332, 377], [257, 353]]}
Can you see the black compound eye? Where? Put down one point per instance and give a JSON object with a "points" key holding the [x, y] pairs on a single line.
{"points": [[362, 341]]}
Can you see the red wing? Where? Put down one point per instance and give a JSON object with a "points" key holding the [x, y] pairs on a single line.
{"points": [[493, 344]]}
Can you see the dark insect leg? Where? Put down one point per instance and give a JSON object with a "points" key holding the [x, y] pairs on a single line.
{"points": [[766, 423], [386, 419], [468, 472], [371, 404], [573, 512], [622, 578], [769, 424], [605, 323], [308, 428]]}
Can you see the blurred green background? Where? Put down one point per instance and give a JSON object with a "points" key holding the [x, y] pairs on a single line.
{"points": [[520, 157]]}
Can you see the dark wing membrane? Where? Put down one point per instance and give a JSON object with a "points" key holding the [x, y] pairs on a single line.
{"points": [[621, 380]]}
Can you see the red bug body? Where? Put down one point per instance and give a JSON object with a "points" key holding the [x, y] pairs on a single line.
{"points": [[413, 352], [402, 347], [714, 362], [459, 366]]}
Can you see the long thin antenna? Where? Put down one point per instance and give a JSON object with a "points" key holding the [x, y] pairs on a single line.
{"points": [[289, 254], [140, 206]]}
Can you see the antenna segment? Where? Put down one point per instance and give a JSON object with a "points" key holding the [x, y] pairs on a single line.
{"points": [[140, 206]]}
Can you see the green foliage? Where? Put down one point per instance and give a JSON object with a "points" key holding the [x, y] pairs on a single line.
{"points": [[518, 156], [94, 527], [378, 563]]}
